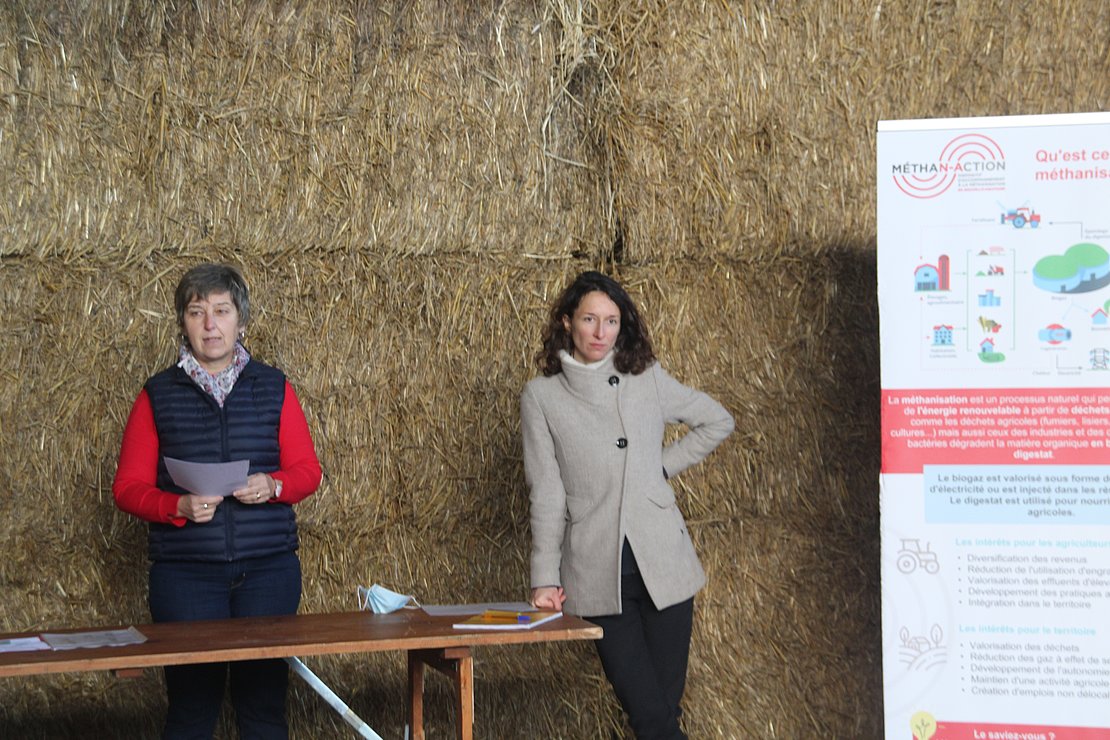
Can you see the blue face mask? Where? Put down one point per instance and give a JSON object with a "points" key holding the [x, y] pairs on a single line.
{"points": [[381, 600]]}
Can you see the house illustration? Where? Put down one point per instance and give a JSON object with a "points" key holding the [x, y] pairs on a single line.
{"points": [[1098, 318], [986, 346]]}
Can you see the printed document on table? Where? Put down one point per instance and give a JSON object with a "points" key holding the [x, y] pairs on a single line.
{"points": [[22, 644], [99, 638], [466, 610]]}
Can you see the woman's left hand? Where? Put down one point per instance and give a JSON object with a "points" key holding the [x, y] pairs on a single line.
{"points": [[259, 489], [548, 597]]}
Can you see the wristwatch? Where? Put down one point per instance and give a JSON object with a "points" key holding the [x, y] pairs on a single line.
{"points": [[277, 489]]}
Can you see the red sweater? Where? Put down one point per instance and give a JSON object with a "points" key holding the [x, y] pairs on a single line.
{"points": [[134, 486]]}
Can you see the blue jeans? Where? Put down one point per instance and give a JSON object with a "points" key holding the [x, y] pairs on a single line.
{"points": [[187, 591]]}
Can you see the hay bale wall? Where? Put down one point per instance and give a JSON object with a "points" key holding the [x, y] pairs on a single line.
{"points": [[406, 185]]}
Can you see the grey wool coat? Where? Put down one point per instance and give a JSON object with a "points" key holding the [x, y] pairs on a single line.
{"points": [[594, 463]]}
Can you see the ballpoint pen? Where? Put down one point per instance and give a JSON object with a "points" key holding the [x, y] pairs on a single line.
{"points": [[495, 615]]}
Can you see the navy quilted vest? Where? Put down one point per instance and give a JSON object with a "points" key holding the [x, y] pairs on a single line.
{"points": [[192, 426]]}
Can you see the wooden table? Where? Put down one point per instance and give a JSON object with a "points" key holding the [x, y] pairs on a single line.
{"points": [[429, 641]]}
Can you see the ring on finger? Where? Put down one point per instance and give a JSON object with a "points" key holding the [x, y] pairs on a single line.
{"points": [[206, 506], [257, 496]]}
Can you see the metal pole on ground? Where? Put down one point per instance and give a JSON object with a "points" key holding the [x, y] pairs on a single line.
{"points": [[332, 699]]}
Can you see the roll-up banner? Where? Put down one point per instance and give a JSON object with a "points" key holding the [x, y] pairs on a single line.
{"points": [[994, 301]]}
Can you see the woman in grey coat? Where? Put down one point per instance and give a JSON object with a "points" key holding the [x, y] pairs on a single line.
{"points": [[608, 540]]}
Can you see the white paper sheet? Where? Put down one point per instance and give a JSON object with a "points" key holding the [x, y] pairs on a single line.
{"points": [[465, 610], [97, 638], [22, 644], [209, 479]]}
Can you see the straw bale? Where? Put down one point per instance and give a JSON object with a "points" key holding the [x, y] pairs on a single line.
{"points": [[407, 185], [737, 127], [365, 128]]}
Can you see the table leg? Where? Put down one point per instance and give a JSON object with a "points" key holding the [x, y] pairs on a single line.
{"points": [[464, 696], [416, 696], [456, 663]]}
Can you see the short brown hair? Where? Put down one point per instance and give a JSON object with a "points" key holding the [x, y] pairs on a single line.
{"points": [[203, 280]]}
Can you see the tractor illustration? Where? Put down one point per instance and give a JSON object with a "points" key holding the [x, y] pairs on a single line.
{"points": [[912, 556], [1021, 216]]}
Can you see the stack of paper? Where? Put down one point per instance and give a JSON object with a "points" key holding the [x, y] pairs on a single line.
{"points": [[496, 619]]}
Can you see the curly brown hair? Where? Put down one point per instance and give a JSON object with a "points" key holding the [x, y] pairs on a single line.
{"points": [[633, 347]]}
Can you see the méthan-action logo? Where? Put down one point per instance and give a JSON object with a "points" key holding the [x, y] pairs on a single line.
{"points": [[975, 161]]}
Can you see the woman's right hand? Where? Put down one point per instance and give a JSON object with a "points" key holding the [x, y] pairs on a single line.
{"points": [[199, 509], [548, 597]]}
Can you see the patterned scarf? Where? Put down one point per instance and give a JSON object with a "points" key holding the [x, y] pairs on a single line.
{"points": [[220, 384]]}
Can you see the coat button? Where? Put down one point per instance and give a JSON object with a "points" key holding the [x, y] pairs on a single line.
{"points": [[614, 380], [622, 443]]}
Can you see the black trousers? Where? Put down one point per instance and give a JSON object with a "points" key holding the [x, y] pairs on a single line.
{"points": [[644, 653]]}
